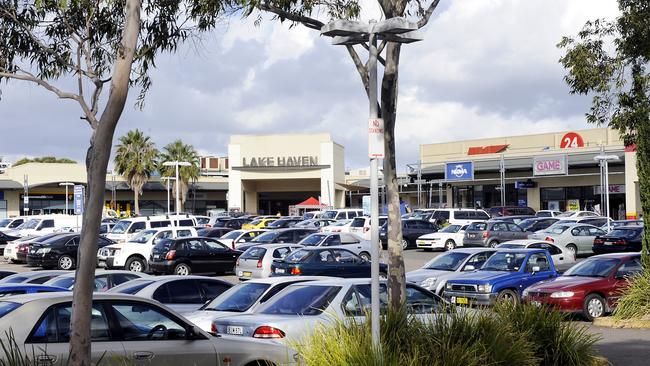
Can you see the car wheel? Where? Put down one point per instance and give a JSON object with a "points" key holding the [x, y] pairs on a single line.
{"points": [[135, 264], [383, 276], [493, 244], [573, 249], [365, 256], [508, 296], [450, 245], [65, 262], [593, 307], [182, 269], [405, 244]]}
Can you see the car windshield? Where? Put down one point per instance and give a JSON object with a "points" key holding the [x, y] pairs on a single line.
{"points": [[449, 261], [256, 222], [7, 307], [132, 287], [506, 262], [254, 253], [341, 223], [202, 220], [5, 222], [63, 282], [595, 267], [313, 239], [329, 215], [477, 226], [451, 229], [238, 298], [143, 237], [302, 300], [556, 229], [511, 246], [527, 224], [623, 233], [232, 235], [30, 224], [277, 223], [566, 214], [298, 256], [266, 237], [121, 227]]}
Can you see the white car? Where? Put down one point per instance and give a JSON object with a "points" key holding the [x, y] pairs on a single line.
{"points": [[133, 254], [361, 226], [570, 214], [135, 331], [448, 238], [562, 257], [11, 223], [341, 226], [238, 237]]}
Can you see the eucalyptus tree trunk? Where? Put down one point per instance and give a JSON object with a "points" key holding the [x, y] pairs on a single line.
{"points": [[97, 159]]}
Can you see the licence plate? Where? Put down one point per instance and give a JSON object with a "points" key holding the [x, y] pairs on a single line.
{"points": [[471, 236], [279, 270], [247, 274], [234, 330], [608, 243], [156, 256], [462, 300]]}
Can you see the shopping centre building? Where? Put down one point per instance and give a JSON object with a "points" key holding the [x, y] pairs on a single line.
{"points": [[267, 174]]}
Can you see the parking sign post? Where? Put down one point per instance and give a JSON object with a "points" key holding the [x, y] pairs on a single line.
{"points": [[78, 202]]}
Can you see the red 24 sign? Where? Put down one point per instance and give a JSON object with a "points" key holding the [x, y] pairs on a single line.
{"points": [[571, 140]]}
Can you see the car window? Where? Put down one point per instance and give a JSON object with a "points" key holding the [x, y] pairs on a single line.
{"points": [[301, 234], [420, 302], [344, 256], [120, 278], [286, 237], [352, 214], [348, 238], [280, 253], [629, 268], [537, 260], [178, 292], [593, 231], [12, 292], [193, 245], [73, 241], [167, 234], [183, 233], [500, 226], [212, 289], [408, 224], [187, 222], [550, 248], [144, 322], [101, 283], [54, 327], [332, 240], [461, 215], [137, 227], [357, 300], [301, 300], [214, 245], [514, 228], [325, 257], [47, 224]]}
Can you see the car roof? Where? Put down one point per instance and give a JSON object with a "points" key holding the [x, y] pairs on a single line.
{"points": [[4, 286], [522, 250], [283, 279], [472, 250], [526, 241], [169, 278], [275, 245], [109, 271], [617, 255], [54, 297], [629, 227]]}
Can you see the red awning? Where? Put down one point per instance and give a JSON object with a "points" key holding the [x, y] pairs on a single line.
{"points": [[493, 149], [311, 201], [630, 148]]}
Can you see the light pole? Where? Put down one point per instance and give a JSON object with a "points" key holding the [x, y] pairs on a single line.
{"points": [[177, 164], [66, 184], [604, 159], [349, 32], [168, 199]]}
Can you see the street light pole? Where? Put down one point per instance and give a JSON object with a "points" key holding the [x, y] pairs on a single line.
{"points": [[176, 164], [604, 160], [66, 184]]}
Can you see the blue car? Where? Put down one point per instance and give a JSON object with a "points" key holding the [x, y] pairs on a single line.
{"points": [[503, 277], [21, 289], [323, 261]]}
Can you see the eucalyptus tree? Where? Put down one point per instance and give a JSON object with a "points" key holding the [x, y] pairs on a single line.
{"points": [[179, 151], [92, 53], [314, 15], [136, 159]]}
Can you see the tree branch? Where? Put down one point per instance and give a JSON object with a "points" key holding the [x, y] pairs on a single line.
{"points": [[427, 14], [26, 76], [302, 19]]}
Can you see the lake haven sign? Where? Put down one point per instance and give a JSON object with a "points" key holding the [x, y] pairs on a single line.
{"points": [[280, 161]]}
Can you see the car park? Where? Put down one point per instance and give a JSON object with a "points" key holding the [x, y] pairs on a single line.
{"points": [[361, 226], [299, 309], [243, 299], [181, 293], [456, 216], [236, 238], [348, 241], [497, 211], [319, 261], [621, 239], [547, 213], [184, 256], [104, 280], [578, 238], [503, 277], [536, 224], [492, 233], [590, 288], [7, 290], [213, 232], [59, 251], [563, 258], [135, 331], [411, 230], [447, 238], [258, 223], [434, 275], [342, 214], [133, 254], [256, 261], [33, 277]]}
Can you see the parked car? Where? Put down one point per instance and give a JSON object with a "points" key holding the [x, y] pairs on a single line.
{"points": [[547, 213], [4, 239], [563, 258], [411, 230], [361, 226], [341, 226], [537, 223], [213, 232], [433, 276], [515, 219], [11, 249], [258, 223], [126, 229], [621, 239], [256, 261], [578, 238], [319, 261], [134, 330], [590, 288], [348, 241], [59, 251], [283, 223], [104, 280], [503, 277], [299, 309], [11, 223], [492, 233], [39, 225], [315, 223], [7, 290], [33, 277], [447, 238], [105, 227], [616, 223], [455, 216], [497, 211], [181, 293], [133, 254], [279, 236], [312, 215], [342, 214], [243, 299], [569, 214], [6, 273], [184, 256], [232, 223], [236, 238]]}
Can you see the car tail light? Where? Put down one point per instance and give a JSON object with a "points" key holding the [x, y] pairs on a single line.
{"points": [[548, 238], [213, 328], [170, 255], [259, 263], [366, 229], [296, 271], [237, 263], [486, 234], [267, 332], [599, 241]]}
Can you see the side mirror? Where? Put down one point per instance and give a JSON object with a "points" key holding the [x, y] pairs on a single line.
{"points": [[191, 333], [536, 269], [469, 267]]}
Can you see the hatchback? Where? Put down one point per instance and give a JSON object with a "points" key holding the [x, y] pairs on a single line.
{"points": [[320, 261], [192, 255], [492, 233], [256, 261], [412, 229]]}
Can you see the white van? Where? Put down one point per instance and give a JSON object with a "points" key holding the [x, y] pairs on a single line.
{"points": [[459, 216], [39, 225], [342, 214], [126, 229], [133, 254], [11, 223]]}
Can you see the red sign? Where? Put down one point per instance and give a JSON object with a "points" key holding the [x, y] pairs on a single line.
{"points": [[571, 140], [492, 149]]}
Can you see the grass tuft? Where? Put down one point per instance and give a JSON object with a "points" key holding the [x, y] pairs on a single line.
{"points": [[635, 300]]}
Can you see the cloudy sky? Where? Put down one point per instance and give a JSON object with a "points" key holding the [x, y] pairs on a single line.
{"points": [[485, 68]]}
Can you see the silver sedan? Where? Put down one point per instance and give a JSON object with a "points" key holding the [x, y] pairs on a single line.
{"points": [[577, 238]]}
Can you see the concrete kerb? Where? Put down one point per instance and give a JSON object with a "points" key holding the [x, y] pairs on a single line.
{"points": [[611, 322]]}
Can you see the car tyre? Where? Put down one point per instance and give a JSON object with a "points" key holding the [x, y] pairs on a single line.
{"points": [[509, 297], [593, 307], [383, 275], [365, 256], [573, 249], [493, 244], [135, 264], [182, 269], [450, 245], [65, 262], [405, 243]]}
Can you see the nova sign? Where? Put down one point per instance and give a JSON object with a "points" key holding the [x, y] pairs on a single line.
{"points": [[270, 161], [459, 171]]}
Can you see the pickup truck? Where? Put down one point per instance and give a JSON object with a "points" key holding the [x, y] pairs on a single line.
{"points": [[503, 277]]}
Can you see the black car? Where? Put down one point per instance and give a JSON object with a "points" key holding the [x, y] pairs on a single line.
{"points": [[184, 256], [59, 251], [230, 223], [537, 223], [213, 232], [411, 230], [4, 273], [621, 239], [335, 262], [279, 236], [283, 223], [4, 239]]}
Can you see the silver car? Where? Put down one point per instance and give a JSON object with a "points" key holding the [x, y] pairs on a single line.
{"points": [[577, 238], [104, 280], [33, 277], [348, 241], [139, 331], [298, 309], [256, 261]]}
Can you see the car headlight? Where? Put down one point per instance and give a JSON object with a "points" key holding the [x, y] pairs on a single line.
{"points": [[484, 288], [43, 250], [562, 294], [448, 286], [429, 282]]}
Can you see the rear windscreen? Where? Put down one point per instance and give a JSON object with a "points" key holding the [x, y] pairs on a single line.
{"points": [[477, 226], [254, 253]]}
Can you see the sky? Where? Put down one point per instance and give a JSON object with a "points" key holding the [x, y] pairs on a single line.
{"points": [[486, 68]]}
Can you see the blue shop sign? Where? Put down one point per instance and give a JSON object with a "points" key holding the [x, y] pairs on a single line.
{"points": [[461, 171]]}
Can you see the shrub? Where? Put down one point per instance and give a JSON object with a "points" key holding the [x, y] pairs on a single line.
{"points": [[635, 300]]}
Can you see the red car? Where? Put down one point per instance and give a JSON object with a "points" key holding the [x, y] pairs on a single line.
{"points": [[590, 288]]}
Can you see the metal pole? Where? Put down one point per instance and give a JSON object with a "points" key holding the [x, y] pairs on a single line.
{"points": [[178, 198], [66, 199], [374, 192], [168, 203], [601, 163], [502, 170], [607, 192], [419, 184]]}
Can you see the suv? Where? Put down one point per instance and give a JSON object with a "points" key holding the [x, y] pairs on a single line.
{"points": [[492, 233], [361, 226], [342, 214], [457, 216], [412, 229], [497, 211]]}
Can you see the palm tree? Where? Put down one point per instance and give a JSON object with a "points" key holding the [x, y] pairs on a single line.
{"points": [[178, 151], [135, 159]]}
